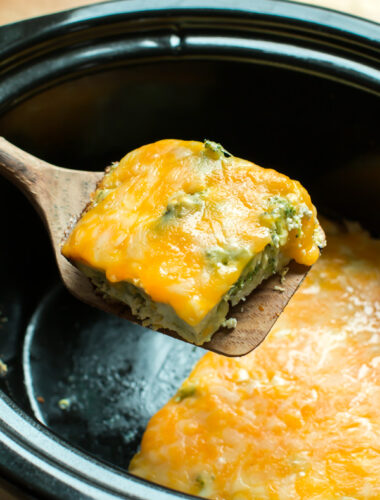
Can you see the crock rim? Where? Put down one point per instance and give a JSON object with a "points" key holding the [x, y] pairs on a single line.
{"points": [[29, 452]]}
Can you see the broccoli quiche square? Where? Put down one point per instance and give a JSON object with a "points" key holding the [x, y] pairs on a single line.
{"points": [[180, 230]]}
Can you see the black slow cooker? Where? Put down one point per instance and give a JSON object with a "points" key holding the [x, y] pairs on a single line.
{"points": [[285, 85]]}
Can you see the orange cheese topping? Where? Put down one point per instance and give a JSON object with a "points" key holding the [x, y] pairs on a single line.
{"points": [[167, 204], [298, 418]]}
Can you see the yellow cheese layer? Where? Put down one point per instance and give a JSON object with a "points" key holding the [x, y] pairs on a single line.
{"points": [[169, 205], [298, 418]]}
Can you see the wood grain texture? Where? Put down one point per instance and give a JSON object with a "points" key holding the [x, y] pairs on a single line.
{"points": [[256, 316], [60, 195], [16, 10]]}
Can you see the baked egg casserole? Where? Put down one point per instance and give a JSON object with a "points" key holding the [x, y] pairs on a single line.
{"points": [[299, 417], [180, 230]]}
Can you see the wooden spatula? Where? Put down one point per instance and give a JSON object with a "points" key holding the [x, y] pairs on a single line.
{"points": [[61, 194]]}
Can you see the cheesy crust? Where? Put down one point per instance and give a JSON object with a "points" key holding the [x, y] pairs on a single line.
{"points": [[299, 417], [180, 222]]}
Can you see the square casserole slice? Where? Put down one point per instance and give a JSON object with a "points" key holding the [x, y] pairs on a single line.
{"points": [[179, 230]]}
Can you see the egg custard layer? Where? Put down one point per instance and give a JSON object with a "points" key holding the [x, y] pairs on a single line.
{"points": [[179, 229], [299, 417]]}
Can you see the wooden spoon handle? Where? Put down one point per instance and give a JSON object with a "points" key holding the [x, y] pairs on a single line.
{"points": [[58, 194], [28, 173]]}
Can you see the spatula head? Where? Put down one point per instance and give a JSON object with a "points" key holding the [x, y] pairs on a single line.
{"points": [[60, 196], [255, 316]]}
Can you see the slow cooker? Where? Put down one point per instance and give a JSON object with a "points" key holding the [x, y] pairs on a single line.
{"points": [[285, 85]]}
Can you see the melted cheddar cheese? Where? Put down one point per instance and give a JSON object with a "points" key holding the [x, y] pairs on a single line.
{"points": [[299, 417], [160, 215]]}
